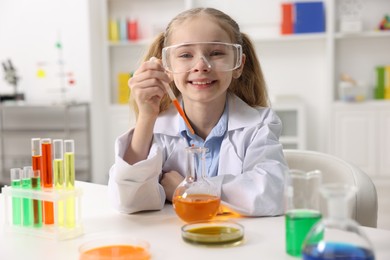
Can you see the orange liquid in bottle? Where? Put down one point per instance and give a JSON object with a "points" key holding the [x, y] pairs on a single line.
{"points": [[116, 252], [196, 207]]}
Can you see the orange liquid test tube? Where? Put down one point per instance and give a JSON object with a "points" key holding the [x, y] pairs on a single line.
{"points": [[47, 179]]}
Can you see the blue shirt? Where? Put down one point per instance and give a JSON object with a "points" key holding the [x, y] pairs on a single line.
{"points": [[212, 142]]}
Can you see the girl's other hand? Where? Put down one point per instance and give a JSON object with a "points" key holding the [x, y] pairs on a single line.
{"points": [[169, 181], [148, 86]]}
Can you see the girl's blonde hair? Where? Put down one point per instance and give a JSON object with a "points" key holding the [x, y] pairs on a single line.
{"points": [[250, 86]]}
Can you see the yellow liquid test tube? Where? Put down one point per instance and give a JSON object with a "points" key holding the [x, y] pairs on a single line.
{"points": [[69, 167], [59, 178]]}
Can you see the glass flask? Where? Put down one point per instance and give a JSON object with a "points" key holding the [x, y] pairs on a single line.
{"points": [[337, 236], [196, 198]]}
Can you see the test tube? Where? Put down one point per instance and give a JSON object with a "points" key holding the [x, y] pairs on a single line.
{"points": [[69, 168], [58, 166], [47, 179], [27, 203], [36, 162], [36, 154], [16, 183], [36, 204]]}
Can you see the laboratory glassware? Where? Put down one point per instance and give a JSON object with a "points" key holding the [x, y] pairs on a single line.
{"points": [[337, 236], [16, 183], [47, 179], [302, 207], [196, 198], [59, 178], [69, 168], [26, 202]]}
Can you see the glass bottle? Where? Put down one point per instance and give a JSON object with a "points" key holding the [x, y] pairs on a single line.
{"points": [[337, 236], [196, 198]]}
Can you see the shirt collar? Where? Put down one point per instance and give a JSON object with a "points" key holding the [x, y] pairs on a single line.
{"points": [[218, 130]]}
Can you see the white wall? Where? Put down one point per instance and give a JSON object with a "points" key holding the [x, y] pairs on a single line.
{"points": [[29, 31]]}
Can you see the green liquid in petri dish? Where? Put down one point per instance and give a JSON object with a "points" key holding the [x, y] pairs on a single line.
{"points": [[214, 235]]}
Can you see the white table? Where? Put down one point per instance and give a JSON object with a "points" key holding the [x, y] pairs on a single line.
{"points": [[264, 237]]}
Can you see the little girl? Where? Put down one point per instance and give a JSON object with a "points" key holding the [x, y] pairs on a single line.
{"points": [[213, 69]]}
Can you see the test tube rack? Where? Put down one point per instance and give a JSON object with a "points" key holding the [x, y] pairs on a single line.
{"points": [[53, 231]]}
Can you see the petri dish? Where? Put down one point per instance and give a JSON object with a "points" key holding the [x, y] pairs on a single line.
{"points": [[213, 233], [115, 248]]}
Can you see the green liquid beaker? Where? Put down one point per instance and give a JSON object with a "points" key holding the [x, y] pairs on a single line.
{"points": [[302, 207]]}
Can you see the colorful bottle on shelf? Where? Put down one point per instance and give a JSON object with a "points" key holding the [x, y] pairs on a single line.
{"points": [[69, 167]]}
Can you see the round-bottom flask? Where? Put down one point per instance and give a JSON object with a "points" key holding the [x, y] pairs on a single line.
{"points": [[337, 236], [196, 198]]}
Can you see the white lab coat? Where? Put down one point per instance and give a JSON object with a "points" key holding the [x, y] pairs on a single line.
{"points": [[250, 172]]}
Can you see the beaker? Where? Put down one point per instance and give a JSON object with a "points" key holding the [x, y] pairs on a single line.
{"points": [[337, 236], [196, 198], [302, 207]]}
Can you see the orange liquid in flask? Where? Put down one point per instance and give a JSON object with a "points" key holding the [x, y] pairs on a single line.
{"points": [[196, 207]]}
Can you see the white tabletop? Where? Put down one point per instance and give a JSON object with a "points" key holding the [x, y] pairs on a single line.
{"points": [[264, 237]]}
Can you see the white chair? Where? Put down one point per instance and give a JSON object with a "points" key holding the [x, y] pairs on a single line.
{"points": [[364, 206]]}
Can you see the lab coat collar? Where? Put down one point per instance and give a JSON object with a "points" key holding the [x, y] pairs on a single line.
{"points": [[240, 115]]}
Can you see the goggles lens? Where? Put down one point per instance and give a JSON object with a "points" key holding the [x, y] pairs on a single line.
{"points": [[217, 56]]}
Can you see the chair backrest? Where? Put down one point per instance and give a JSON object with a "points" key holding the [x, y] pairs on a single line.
{"points": [[364, 206]]}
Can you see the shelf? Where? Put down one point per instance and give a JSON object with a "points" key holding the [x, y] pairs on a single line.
{"points": [[366, 34], [290, 37]]}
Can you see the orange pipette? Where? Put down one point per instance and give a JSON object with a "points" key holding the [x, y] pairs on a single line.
{"points": [[179, 109]]}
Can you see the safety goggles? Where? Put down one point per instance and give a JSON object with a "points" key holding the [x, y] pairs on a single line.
{"points": [[217, 56]]}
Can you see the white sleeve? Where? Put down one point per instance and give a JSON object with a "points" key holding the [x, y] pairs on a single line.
{"points": [[136, 187], [258, 190]]}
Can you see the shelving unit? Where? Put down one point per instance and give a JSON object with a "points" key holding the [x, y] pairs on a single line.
{"points": [[359, 131], [305, 65], [20, 123]]}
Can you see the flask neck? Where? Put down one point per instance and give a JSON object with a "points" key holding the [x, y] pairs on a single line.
{"points": [[338, 196], [196, 163], [338, 208]]}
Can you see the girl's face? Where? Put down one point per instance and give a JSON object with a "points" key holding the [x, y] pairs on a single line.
{"points": [[202, 83]]}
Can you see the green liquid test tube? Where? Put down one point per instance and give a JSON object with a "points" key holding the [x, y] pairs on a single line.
{"points": [[37, 204], [26, 202], [59, 180], [69, 168], [16, 183]]}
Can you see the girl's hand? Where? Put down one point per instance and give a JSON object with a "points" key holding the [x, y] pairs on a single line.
{"points": [[148, 86], [169, 181]]}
